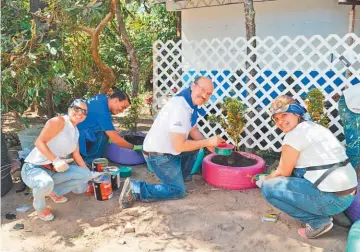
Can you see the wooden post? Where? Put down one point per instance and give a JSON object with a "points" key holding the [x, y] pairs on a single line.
{"points": [[250, 32], [178, 25], [352, 14]]}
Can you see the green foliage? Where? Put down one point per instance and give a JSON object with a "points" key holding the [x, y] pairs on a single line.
{"points": [[132, 119], [51, 54], [232, 119], [315, 103]]}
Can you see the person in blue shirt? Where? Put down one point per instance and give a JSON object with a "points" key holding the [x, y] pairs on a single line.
{"points": [[97, 128]]}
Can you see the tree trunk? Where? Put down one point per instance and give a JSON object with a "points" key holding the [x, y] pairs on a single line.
{"points": [[135, 63], [178, 25], [352, 17], [250, 28], [250, 32], [107, 73], [50, 110]]}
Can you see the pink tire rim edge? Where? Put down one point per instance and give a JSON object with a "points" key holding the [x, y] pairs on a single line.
{"points": [[233, 178]]}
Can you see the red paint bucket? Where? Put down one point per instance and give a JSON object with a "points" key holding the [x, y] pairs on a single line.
{"points": [[90, 190], [103, 188], [99, 164], [114, 172]]}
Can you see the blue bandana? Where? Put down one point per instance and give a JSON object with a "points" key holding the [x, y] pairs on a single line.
{"points": [[186, 93], [289, 108], [296, 109]]}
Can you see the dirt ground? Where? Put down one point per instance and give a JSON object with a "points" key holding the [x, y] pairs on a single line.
{"points": [[207, 219]]}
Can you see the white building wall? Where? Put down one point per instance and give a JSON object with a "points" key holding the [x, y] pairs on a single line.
{"points": [[273, 18]]}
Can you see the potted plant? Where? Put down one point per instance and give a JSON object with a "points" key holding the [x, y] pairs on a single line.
{"points": [[123, 155], [315, 103], [236, 170]]}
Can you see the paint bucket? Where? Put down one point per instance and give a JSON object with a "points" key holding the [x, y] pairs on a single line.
{"points": [[99, 164], [102, 187], [114, 172], [90, 190]]}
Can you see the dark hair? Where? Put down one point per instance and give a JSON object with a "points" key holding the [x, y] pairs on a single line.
{"points": [[122, 96]]}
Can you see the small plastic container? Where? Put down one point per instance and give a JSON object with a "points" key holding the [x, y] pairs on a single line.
{"points": [[125, 171], [224, 149]]}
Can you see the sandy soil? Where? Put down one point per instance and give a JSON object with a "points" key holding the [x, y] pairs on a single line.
{"points": [[207, 219]]}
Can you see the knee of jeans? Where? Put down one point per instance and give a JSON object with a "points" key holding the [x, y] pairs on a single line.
{"points": [[86, 174], [266, 188], [45, 185]]}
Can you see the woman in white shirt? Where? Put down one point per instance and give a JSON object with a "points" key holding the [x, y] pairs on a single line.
{"points": [[46, 170], [314, 179]]}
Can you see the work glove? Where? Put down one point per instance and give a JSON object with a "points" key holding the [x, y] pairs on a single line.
{"points": [[260, 181], [60, 165], [137, 147]]}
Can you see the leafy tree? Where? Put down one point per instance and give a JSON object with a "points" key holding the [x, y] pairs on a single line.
{"points": [[45, 56]]}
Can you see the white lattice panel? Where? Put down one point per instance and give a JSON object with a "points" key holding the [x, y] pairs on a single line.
{"points": [[283, 66]]}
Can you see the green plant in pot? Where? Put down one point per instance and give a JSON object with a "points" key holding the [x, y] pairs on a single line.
{"points": [[131, 121], [232, 120], [315, 102]]}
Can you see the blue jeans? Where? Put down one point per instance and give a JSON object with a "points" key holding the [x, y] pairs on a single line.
{"points": [[43, 181], [96, 149], [351, 125], [169, 169], [298, 198]]}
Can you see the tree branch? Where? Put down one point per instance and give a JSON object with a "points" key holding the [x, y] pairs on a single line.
{"points": [[107, 73], [88, 30]]}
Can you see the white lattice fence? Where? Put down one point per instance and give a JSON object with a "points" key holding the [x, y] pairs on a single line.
{"points": [[286, 65]]}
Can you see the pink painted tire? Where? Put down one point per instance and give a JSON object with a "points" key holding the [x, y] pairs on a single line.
{"points": [[232, 178]]}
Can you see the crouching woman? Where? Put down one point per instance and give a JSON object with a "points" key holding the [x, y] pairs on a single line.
{"points": [[314, 179], [46, 170]]}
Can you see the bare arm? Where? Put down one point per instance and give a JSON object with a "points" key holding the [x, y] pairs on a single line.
{"points": [[197, 135], [50, 130], [181, 143], [118, 140], [78, 158], [288, 159]]}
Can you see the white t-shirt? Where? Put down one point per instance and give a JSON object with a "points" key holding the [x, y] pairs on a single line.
{"points": [[352, 98], [63, 144], [318, 146], [174, 117]]}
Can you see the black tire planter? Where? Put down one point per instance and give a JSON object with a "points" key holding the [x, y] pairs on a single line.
{"points": [[6, 180]]}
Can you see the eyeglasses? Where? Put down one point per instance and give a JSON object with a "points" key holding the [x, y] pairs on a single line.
{"points": [[203, 90], [77, 109]]}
